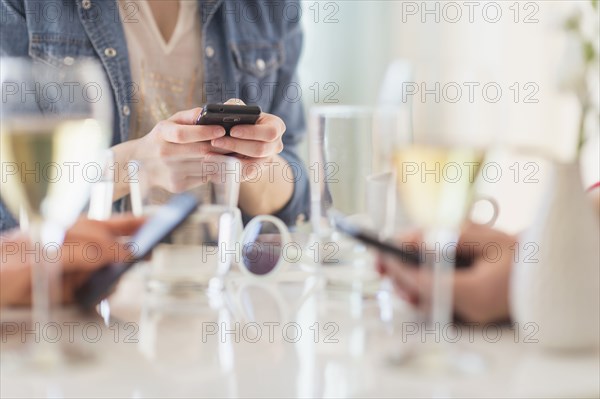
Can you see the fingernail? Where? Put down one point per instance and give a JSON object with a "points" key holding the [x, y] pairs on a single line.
{"points": [[238, 132], [218, 142]]}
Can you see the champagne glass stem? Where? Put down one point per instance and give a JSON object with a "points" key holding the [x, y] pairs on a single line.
{"points": [[40, 278], [46, 291], [442, 277]]}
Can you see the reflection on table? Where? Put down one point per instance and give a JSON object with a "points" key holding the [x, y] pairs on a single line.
{"points": [[294, 338]]}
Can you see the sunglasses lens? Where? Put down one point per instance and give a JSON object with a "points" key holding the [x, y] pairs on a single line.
{"points": [[261, 249]]}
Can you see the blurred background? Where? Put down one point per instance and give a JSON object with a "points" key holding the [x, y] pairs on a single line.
{"points": [[507, 73]]}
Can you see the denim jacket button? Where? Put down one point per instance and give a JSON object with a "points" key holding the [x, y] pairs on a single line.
{"points": [[210, 52], [68, 61], [110, 52], [86, 4], [260, 64], [126, 110]]}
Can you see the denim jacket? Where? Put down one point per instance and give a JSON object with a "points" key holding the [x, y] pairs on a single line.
{"points": [[251, 51]]}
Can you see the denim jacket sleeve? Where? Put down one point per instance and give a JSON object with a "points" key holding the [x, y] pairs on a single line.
{"points": [[13, 29], [14, 42], [292, 112]]}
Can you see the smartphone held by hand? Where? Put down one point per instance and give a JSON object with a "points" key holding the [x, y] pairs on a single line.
{"points": [[154, 231], [228, 115]]}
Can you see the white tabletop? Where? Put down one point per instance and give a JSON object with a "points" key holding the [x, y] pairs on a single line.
{"points": [[350, 345]]}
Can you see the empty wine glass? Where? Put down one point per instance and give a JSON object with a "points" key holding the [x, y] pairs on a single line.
{"points": [[350, 174]]}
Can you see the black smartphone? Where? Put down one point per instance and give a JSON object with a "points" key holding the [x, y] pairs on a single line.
{"points": [[409, 254], [228, 115], [153, 231]]}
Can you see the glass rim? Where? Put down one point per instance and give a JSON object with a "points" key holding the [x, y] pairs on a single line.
{"points": [[212, 158], [285, 239], [342, 111], [348, 110]]}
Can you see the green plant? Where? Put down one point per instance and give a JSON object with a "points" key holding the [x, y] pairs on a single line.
{"points": [[583, 28]]}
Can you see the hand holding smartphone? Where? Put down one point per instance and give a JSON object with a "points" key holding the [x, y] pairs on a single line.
{"points": [[154, 231], [406, 255]]}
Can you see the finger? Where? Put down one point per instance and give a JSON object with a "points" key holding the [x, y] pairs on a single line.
{"points": [[70, 282], [185, 134], [380, 265], [270, 119], [94, 245], [123, 252], [481, 291], [67, 288], [266, 132], [88, 231], [405, 292], [235, 101], [405, 277], [250, 148], [191, 149], [187, 117], [413, 237], [475, 239], [91, 253], [217, 151], [123, 225], [13, 236]]}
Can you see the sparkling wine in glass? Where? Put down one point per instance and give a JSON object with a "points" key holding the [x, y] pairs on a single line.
{"points": [[435, 180], [55, 123]]}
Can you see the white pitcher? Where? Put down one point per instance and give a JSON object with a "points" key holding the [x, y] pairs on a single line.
{"points": [[560, 292]]}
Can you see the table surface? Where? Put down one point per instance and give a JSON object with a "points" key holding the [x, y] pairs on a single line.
{"points": [[296, 338]]}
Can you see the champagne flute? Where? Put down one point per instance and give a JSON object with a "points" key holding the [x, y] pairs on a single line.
{"points": [[55, 122], [436, 172]]}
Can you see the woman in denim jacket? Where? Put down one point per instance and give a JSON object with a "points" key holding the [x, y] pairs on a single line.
{"points": [[245, 50]]}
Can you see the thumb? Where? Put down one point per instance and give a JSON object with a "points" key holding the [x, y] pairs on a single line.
{"points": [[123, 225], [235, 101], [187, 117]]}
